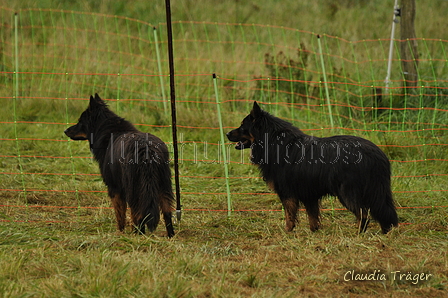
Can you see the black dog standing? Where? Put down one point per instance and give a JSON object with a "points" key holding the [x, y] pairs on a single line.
{"points": [[134, 166], [303, 169]]}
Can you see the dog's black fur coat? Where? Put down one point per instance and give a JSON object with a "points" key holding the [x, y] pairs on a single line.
{"points": [[134, 166], [303, 169]]}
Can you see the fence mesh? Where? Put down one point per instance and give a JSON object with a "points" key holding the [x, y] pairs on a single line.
{"points": [[52, 60]]}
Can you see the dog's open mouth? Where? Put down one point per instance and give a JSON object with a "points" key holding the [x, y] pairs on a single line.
{"points": [[242, 140], [243, 144]]}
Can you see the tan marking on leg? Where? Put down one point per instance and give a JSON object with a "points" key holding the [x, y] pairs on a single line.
{"points": [[270, 184], [291, 209], [313, 213], [314, 223], [120, 211], [137, 219]]}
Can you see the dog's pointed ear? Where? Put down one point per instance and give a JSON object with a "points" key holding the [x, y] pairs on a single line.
{"points": [[98, 98], [96, 101], [256, 110], [91, 102]]}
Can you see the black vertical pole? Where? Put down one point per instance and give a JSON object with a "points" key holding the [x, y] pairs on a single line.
{"points": [[173, 107]]}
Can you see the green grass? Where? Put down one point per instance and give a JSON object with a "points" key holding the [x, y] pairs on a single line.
{"points": [[246, 255], [58, 237]]}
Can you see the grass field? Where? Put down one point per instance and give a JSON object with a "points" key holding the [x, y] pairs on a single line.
{"points": [[57, 230]]}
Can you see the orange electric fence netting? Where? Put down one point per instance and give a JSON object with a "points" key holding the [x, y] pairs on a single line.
{"points": [[53, 60]]}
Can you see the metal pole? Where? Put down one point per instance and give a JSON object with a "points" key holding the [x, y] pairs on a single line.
{"points": [[173, 108]]}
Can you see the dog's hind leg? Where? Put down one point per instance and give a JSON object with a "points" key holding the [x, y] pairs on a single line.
{"points": [[165, 202], [313, 211], [119, 205], [145, 216], [291, 207], [362, 216], [354, 205], [363, 219], [138, 221]]}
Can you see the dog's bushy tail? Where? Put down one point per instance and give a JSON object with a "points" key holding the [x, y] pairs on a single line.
{"points": [[150, 201], [157, 196], [142, 191], [166, 197], [382, 208]]}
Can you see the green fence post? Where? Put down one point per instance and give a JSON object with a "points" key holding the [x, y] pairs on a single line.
{"points": [[327, 93], [15, 98], [223, 148], [159, 66]]}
